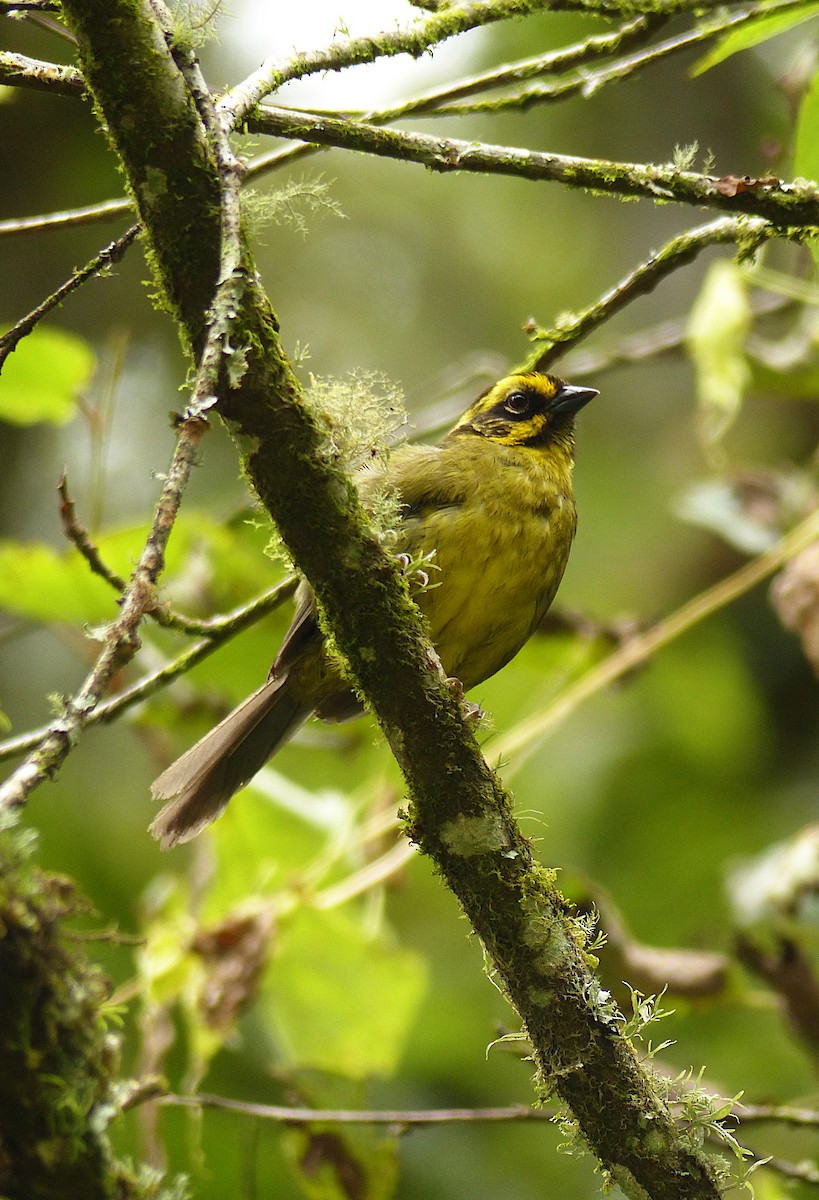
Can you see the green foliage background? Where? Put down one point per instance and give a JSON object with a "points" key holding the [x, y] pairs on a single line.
{"points": [[654, 790]]}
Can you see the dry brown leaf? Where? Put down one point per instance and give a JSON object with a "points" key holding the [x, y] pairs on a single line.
{"points": [[795, 596]]}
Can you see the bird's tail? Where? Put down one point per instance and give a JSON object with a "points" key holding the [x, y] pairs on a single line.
{"points": [[199, 785]]}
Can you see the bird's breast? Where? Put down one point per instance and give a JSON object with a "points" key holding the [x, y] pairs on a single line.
{"points": [[499, 556]]}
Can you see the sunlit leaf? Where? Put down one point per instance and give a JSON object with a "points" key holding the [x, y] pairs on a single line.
{"points": [[753, 33], [340, 999], [272, 830], [208, 565], [806, 143], [41, 379], [40, 584], [717, 328]]}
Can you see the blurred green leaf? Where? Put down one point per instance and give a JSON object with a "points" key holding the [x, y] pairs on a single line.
{"points": [[40, 584], [340, 999], [753, 34], [208, 565], [719, 323], [274, 830], [42, 377], [806, 144]]}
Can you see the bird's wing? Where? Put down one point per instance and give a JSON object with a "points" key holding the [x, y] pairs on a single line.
{"points": [[423, 476]]}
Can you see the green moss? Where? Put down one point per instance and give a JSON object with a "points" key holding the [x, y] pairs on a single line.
{"points": [[57, 1058]]}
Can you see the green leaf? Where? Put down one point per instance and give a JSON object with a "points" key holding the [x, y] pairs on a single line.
{"points": [[41, 585], [274, 830], [753, 33], [339, 999], [717, 328], [42, 377], [806, 144]]}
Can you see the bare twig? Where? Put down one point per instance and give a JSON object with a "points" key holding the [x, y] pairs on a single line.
{"points": [[697, 974], [92, 214], [298, 1116], [787, 968], [112, 253], [79, 536], [653, 341], [777, 1114], [805, 1172]]}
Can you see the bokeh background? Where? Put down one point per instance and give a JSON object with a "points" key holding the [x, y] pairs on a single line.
{"points": [[655, 790]]}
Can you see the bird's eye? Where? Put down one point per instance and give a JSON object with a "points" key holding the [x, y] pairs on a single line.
{"points": [[518, 404]]}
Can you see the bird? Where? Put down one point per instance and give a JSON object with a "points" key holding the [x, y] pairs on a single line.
{"points": [[486, 521]]}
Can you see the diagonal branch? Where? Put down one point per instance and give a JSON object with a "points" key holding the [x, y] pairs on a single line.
{"points": [[680, 251]]}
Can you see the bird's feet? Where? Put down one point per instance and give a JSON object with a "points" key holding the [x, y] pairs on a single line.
{"points": [[473, 713]]}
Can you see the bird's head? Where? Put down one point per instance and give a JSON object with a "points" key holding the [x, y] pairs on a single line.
{"points": [[531, 409]]}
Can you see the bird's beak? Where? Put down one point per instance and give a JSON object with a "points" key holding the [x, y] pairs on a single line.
{"points": [[569, 400]]}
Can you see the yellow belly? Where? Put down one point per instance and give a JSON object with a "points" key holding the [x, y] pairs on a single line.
{"points": [[499, 555]]}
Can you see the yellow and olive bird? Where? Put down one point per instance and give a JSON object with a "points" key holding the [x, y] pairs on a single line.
{"points": [[491, 509]]}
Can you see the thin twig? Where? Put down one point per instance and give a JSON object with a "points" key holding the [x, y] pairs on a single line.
{"points": [[91, 214], [369, 876], [79, 536], [589, 82], [241, 100], [298, 1116], [655, 340], [779, 1114], [112, 254], [219, 630], [631, 33], [805, 1172], [120, 642], [643, 645], [420, 39]]}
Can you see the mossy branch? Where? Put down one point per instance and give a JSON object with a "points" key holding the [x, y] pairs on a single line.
{"points": [[784, 203], [58, 1063]]}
